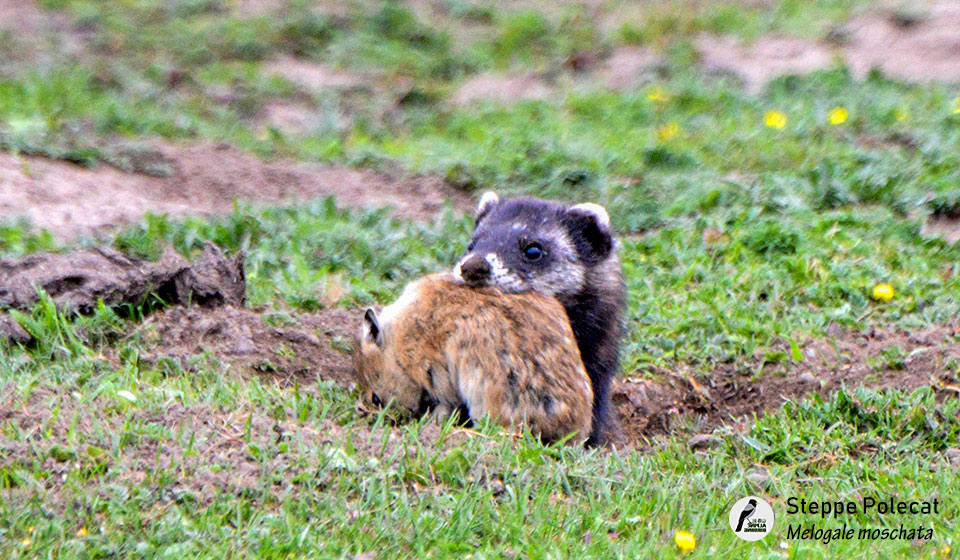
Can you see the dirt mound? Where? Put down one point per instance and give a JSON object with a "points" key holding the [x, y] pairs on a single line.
{"points": [[758, 63], [35, 37], [626, 66], [202, 179], [311, 75], [290, 346], [307, 346], [919, 47], [298, 119], [947, 229], [876, 359], [498, 88], [77, 281]]}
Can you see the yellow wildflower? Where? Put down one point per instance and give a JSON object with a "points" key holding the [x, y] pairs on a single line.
{"points": [[883, 292], [901, 115], [775, 119], [838, 115], [26, 542], [82, 532], [686, 542], [657, 94], [956, 106], [668, 131]]}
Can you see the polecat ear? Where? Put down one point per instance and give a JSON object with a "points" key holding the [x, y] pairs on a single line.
{"points": [[589, 224], [371, 327], [487, 202]]}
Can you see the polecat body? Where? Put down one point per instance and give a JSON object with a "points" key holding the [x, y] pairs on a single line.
{"points": [[444, 346], [567, 252]]}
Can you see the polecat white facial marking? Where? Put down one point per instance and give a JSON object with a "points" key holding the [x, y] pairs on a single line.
{"points": [[567, 252]]}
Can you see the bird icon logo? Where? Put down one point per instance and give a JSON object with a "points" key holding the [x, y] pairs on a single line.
{"points": [[751, 518], [748, 510]]}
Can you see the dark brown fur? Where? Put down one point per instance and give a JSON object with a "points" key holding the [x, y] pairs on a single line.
{"points": [[576, 261]]}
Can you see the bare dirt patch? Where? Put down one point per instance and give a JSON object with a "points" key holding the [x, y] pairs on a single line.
{"points": [[876, 359], [622, 68], [919, 47], [78, 281], [32, 36], [759, 62], [289, 346], [922, 45], [298, 119], [947, 229], [505, 89], [313, 76], [309, 346], [260, 8], [626, 66], [204, 179]]}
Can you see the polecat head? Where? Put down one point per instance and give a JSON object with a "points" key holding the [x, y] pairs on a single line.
{"points": [[529, 244]]}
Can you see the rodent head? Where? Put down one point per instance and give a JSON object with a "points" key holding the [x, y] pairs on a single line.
{"points": [[380, 376], [529, 244]]}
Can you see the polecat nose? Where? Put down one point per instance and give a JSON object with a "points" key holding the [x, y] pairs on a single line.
{"points": [[475, 269]]}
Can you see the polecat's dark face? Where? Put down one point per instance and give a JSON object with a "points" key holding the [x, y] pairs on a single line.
{"points": [[528, 244]]}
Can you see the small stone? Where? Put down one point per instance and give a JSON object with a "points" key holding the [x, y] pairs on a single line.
{"points": [[242, 345], [704, 441], [923, 339], [761, 478], [12, 330], [807, 378], [953, 455]]}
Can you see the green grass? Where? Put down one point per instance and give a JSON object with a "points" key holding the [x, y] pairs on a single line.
{"points": [[360, 491], [737, 239]]}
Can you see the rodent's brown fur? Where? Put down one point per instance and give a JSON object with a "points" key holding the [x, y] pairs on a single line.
{"points": [[512, 356]]}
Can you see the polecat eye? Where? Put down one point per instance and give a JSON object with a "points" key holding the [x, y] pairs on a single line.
{"points": [[375, 400], [533, 252]]}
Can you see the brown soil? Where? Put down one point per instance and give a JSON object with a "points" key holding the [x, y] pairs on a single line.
{"points": [[917, 47], [297, 119], [78, 281], [288, 346], [313, 76], [625, 66], [945, 228], [205, 179], [310, 346], [734, 392], [35, 37], [500, 89], [758, 63], [262, 8]]}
